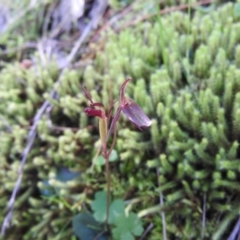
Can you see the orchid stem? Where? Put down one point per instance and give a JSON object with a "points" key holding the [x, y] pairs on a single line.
{"points": [[108, 173], [108, 180], [114, 141], [108, 186]]}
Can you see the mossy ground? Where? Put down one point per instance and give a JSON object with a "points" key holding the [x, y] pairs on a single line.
{"points": [[186, 77]]}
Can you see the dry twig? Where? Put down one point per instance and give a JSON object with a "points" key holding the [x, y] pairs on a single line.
{"points": [[204, 216], [235, 235], [164, 228], [149, 228]]}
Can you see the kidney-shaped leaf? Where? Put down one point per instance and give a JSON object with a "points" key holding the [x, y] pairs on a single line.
{"points": [[127, 226], [87, 228], [99, 206], [117, 208]]}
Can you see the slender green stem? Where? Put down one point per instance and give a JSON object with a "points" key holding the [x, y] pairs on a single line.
{"points": [[107, 169], [114, 141], [108, 185], [108, 173]]}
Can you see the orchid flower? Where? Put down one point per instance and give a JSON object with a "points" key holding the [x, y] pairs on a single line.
{"points": [[97, 110], [126, 105], [131, 110]]}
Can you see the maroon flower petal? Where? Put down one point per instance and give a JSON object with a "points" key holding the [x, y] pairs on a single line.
{"points": [[136, 115], [94, 112]]}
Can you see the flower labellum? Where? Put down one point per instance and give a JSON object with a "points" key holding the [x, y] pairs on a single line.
{"points": [[135, 114], [131, 110]]}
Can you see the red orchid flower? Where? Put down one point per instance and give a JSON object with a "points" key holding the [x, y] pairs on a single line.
{"points": [[97, 110], [129, 108]]}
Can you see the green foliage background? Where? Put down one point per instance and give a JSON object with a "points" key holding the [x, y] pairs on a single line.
{"points": [[186, 77]]}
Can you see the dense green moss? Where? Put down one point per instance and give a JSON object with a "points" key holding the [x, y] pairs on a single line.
{"points": [[185, 77]]}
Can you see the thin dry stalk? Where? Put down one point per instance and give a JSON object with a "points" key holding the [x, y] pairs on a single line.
{"points": [[235, 235], [203, 216], [162, 205], [149, 228]]}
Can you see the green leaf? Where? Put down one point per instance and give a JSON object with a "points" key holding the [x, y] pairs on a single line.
{"points": [[99, 206], [127, 236], [127, 227], [112, 158], [116, 208], [87, 228], [237, 10]]}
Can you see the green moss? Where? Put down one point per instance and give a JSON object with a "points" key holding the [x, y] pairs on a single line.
{"points": [[190, 88]]}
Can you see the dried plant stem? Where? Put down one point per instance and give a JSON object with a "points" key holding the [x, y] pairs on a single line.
{"points": [[235, 234], [164, 227], [149, 228], [204, 216]]}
